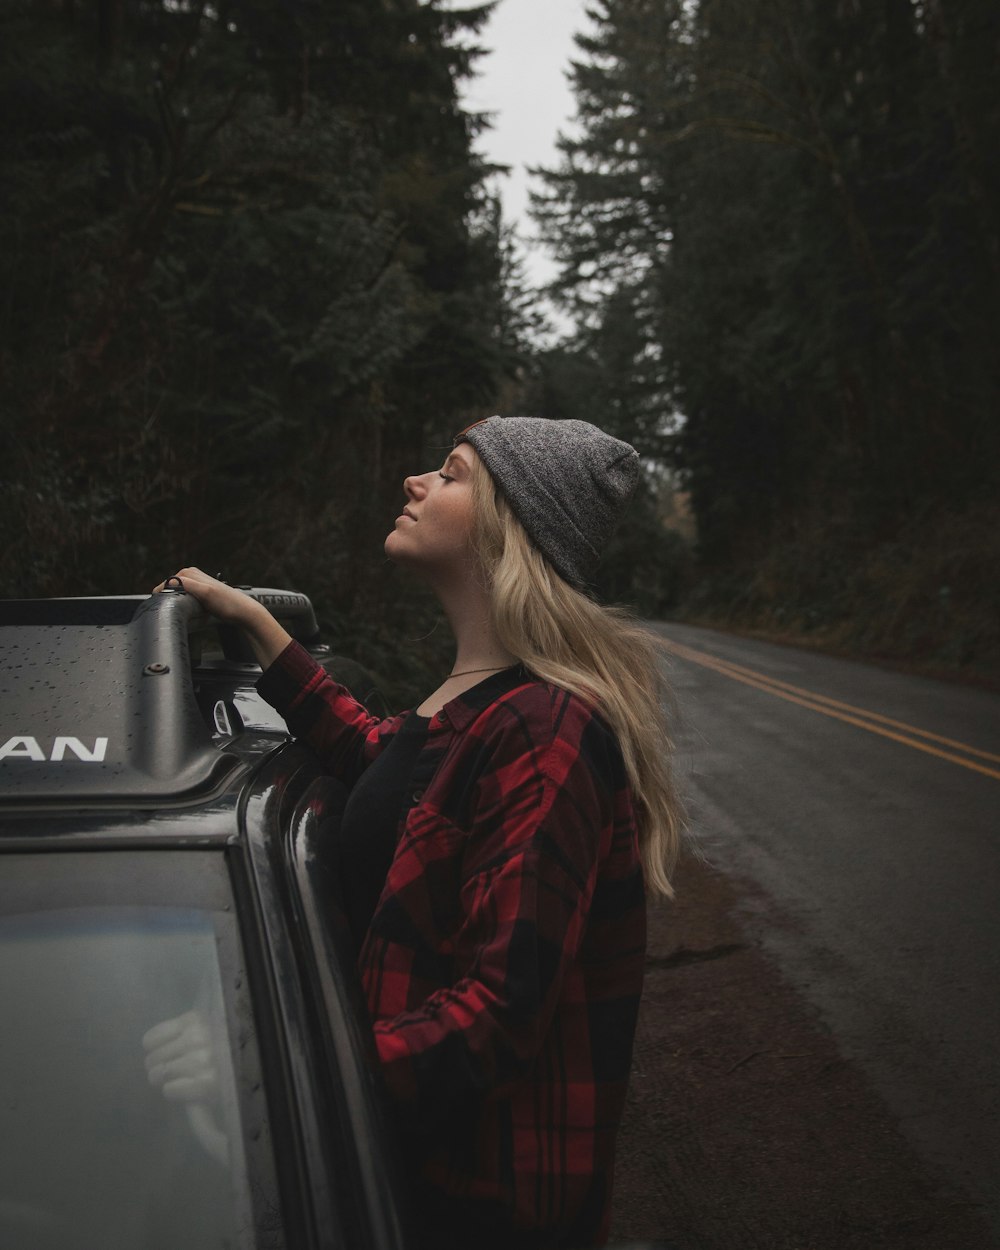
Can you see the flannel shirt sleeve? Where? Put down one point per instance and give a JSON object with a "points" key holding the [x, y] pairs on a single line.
{"points": [[324, 714], [542, 819]]}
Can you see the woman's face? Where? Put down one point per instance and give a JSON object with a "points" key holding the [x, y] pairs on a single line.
{"points": [[433, 533]]}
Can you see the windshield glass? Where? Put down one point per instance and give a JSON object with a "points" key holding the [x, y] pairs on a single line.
{"points": [[128, 1072]]}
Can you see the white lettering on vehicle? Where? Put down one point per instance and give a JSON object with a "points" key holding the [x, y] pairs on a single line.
{"points": [[24, 747], [62, 745]]}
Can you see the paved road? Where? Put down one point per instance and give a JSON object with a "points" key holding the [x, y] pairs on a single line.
{"points": [[882, 853]]}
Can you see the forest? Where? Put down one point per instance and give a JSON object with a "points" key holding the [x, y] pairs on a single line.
{"points": [[255, 272]]}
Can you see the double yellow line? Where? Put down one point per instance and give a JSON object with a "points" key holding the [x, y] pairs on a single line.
{"points": [[873, 722]]}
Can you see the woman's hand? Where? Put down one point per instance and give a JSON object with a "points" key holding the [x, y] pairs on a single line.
{"points": [[181, 1063], [232, 606], [179, 1059], [222, 601]]}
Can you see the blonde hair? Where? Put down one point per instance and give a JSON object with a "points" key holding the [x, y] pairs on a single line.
{"points": [[595, 652]]}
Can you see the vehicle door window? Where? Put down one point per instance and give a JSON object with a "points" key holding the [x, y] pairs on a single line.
{"points": [[131, 1106]]}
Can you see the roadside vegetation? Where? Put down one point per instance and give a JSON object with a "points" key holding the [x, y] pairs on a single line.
{"points": [[925, 599]]}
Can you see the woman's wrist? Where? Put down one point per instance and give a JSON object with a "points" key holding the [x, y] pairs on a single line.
{"points": [[268, 637]]}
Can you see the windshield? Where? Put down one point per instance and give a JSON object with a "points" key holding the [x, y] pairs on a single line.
{"points": [[128, 1071]]}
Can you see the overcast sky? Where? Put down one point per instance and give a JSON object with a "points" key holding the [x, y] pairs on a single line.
{"points": [[522, 81]]}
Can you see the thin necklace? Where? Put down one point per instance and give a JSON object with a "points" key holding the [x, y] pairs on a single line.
{"points": [[466, 671]]}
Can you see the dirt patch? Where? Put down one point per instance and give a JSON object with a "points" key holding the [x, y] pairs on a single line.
{"points": [[745, 1129]]}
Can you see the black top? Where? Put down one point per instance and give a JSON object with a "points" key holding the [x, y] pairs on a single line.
{"points": [[371, 823], [100, 706]]}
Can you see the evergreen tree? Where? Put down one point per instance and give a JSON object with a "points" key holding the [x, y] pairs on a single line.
{"points": [[792, 194], [248, 280]]}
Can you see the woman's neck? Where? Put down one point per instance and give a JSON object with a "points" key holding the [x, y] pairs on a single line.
{"points": [[478, 651], [467, 607]]}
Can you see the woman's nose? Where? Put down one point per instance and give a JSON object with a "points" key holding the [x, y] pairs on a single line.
{"points": [[415, 487]]}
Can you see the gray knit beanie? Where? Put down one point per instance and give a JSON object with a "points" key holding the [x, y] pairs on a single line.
{"points": [[567, 482]]}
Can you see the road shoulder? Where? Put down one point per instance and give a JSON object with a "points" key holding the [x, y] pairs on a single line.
{"points": [[745, 1127]]}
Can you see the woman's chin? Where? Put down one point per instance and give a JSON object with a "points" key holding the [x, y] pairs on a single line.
{"points": [[395, 549]]}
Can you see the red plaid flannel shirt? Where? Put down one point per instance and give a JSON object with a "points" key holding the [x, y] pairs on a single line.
{"points": [[504, 963]]}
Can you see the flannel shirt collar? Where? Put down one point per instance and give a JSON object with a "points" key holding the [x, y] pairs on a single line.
{"points": [[464, 708]]}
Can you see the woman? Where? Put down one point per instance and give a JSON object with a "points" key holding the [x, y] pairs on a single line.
{"points": [[500, 838]]}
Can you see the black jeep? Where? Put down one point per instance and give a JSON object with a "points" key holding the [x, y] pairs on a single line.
{"points": [[182, 1059]]}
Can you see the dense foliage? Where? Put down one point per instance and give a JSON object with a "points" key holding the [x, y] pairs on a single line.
{"points": [[251, 277], [780, 225]]}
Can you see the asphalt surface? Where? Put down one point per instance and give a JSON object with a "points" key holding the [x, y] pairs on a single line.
{"points": [[875, 847]]}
